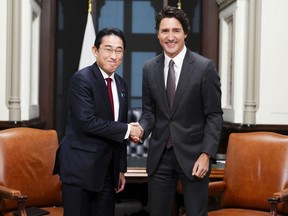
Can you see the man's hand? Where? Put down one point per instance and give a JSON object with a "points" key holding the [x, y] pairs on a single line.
{"points": [[136, 132], [121, 183], [201, 167]]}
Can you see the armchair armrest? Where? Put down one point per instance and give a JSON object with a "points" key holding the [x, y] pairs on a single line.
{"points": [[282, 195], [277, 197], [16, 195], [9, 193], [216, 188]]}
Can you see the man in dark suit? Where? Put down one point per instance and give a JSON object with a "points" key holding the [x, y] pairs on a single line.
{"points": [[91, 159], [186, 124]]}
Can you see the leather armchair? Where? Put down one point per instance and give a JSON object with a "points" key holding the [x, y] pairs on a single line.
{"points": [[26, 163], [256, 176]]}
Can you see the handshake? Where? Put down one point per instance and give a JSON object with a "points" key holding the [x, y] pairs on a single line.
{"points": [[136, 132]]}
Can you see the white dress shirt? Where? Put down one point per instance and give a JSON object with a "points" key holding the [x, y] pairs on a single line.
{"points": [[178, 61], [115, 99]]}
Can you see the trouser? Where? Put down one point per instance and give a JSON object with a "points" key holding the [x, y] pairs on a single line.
{"points": [[162, 187], [80, 202]]}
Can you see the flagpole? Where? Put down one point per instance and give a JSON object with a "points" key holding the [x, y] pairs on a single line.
{"points": [[89, 6], [179, 4], [87, 58]]}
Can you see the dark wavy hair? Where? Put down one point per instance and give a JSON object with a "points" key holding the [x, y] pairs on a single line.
{"points": [[109, 31], [173, 12]]}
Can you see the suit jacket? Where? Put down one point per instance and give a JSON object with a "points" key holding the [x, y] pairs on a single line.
{"points": [[92, 139], [195, 121]]}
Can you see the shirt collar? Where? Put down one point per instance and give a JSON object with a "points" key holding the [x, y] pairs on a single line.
{"points": [[178, 60], [105, 75]]}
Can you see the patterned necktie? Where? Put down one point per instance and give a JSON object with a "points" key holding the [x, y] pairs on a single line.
{"points": [[170, 91], [109, 80], [170, 88]]}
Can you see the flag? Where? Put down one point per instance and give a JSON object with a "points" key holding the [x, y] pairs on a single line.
{"points": [[87, 58]]}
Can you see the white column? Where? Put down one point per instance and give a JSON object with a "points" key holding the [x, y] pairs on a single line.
{"points": [[252, 74], [5, 56], [13, 60], [19, 60], [30, 53]]}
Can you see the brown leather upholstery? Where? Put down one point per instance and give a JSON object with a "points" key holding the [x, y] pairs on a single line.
{"points": [[26, 164], [256, 167]]}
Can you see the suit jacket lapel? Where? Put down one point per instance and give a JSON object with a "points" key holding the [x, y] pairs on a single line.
{"points": [[103, 87], [121, 91], [184, 79], [160, 81]]}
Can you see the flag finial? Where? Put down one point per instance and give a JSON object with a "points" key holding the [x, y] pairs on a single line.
{"points": [[90, 6], [179, 4]]}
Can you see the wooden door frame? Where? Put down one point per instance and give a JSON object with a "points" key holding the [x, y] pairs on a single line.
{"points": [[47, 63]]}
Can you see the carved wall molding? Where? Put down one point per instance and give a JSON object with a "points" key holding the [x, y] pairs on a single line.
{"points": [[224, 3], [39, 2]]}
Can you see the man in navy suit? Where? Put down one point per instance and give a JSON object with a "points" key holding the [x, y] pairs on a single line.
{"points": [[186, 125], [91, 159]]}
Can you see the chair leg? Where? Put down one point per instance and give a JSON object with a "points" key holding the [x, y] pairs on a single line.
{"points": [[21, 206], [273, 207]]}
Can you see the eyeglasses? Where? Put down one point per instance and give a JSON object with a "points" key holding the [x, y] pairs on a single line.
{"points": [[109, 51]]}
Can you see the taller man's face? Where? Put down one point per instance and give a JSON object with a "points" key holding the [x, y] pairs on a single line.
{"points": [[171, 36], [109, 56]]}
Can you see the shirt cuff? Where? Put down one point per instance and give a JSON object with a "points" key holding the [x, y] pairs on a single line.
{"points": [[128, 132]]}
